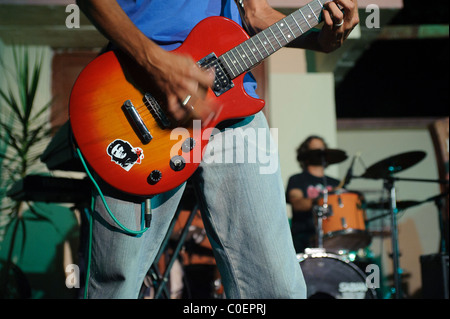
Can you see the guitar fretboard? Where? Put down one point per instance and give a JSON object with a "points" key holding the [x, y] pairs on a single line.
{"points": [[248, 54]]}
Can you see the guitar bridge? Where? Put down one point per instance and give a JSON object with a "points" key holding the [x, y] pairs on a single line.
{"points": [[222, 81]]}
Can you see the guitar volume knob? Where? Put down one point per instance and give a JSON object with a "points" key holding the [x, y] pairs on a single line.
{"points": [[177, 163], [188, 145]]}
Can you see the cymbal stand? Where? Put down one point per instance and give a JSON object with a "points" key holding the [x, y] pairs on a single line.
{"points": [[389, 184], [324, 210], [321, 211]]}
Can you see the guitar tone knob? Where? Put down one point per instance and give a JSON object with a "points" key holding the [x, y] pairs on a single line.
{"points": [[154, 177]]}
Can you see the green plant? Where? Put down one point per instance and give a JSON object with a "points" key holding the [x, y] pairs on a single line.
{"points": [[23, 130]]}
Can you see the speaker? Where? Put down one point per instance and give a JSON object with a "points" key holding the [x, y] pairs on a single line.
{"points": [[435, 278]]}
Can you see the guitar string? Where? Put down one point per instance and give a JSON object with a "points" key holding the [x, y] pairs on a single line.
{"points": [[272, 40]]}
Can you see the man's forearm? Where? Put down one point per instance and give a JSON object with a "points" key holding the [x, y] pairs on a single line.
{"points": [[109, 18]]}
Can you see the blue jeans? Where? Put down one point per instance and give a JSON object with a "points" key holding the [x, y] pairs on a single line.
{"points": [[244, 212]]}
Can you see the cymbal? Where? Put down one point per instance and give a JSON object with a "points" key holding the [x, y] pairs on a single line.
{"points": [[403, 204], [393, 164], [317, 157]]}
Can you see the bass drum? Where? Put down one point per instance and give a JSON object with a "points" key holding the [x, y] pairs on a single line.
{"points": [[329, 276]]}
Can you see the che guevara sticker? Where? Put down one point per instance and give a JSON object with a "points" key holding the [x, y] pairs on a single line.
{"points": [[124, 154]]}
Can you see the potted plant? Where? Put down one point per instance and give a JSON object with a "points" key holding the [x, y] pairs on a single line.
{"points": [[23, 130]]}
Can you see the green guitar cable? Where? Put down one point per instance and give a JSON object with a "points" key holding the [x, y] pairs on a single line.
{"points": [[146, 214]]}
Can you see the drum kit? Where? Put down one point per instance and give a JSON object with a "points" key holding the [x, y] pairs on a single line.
{"points": [[341, 227]]}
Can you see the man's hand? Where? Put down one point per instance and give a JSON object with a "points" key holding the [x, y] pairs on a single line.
{"points": [[340, 18], [175, 75], [183, 83]]}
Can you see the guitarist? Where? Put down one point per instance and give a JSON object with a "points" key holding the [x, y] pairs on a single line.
{"points": [[244, 211]]}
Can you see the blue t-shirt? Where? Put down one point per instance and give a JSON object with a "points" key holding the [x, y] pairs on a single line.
{"points": [[168, 22]]}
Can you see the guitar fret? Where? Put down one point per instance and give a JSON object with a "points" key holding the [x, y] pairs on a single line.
{"points": [[264, 53], [282, 33], [236, 60], [295, 20], [303, 23], [290, 30], [242, 55], [264, 43], [252, 51], [227, 67], [317, 8], [262, 56], [276, 39], [309, 6], [230, 64], [305, 18], [246, 56], [267, 41]]}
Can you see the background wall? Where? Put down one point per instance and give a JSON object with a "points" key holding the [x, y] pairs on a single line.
{"points": [[302, 104]]}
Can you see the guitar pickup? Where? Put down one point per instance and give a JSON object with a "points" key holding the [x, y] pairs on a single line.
{"points": [[156, 111], [136, 122], [222, 81]]}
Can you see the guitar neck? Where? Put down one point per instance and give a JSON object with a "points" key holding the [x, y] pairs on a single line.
{"points": [[248, 54]]}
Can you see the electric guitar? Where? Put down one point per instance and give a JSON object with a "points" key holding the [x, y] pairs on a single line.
{"points": [[119, 122]]}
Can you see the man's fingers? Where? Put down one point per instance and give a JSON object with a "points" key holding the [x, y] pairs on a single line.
{"points": [[187, 91], [174, 107], [204, 110], [337, 16], [204, 78], [327, 19], [348, 6]]}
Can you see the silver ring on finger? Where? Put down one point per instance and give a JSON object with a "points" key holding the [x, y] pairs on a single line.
{"points": [[186, 100], [337, 25]]}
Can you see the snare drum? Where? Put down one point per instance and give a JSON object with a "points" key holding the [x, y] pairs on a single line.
{"points": [[329, 276], [345, 227]]}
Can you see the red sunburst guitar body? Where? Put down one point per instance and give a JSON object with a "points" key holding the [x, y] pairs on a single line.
{"points": [[103, 126], [118, 119]]}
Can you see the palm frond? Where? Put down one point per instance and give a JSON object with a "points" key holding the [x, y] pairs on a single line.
{"points": [[23, 128]]}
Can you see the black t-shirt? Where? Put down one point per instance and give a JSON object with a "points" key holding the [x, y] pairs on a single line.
{"points": [[311, 186]]}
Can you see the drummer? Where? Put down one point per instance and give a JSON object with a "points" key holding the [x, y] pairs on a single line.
{"points": [[305, 188]]}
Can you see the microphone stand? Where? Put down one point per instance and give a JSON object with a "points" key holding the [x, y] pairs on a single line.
{"points": [[390, 187]]}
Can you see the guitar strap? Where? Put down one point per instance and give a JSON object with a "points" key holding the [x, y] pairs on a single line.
{"points": [[247, 28]]}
